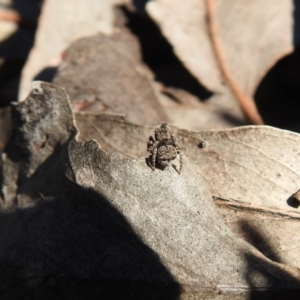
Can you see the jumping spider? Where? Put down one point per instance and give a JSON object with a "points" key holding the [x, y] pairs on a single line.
{"points": [[163, 148]]}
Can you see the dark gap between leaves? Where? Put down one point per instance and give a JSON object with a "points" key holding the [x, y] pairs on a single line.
{"points": [[296, 25], [278, 94], [159, 56], [140, 5], [14, 50], [47, 74]]}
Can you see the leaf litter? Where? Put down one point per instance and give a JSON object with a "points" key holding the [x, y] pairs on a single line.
{"points": [[223, 45], [251, 171], [67, 203], [74, 203]]}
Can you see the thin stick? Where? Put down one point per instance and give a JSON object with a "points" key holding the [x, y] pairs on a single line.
{"points": [[247, 103], [10, 16]]}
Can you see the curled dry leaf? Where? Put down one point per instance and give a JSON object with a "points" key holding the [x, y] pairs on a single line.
{"points": [[60, 24], [82, 212], [105, 73], [227, 45], [255, 164], [251, 171]]}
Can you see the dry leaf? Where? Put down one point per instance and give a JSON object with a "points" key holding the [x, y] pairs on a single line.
{"points": [[105, 73], [188, 111], [60, 24], [254, 164], [252, 171], [82, 212], [227, 45]]}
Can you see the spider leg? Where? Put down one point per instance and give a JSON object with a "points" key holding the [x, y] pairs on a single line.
{"points": [[151, 139], [174, 140], [153, 156], [150, 144], [152, 167]]}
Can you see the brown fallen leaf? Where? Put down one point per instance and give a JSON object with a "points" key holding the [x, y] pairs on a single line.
{"points": [[105, 73], [250, 170], [227, 45], [82, 212], [187, 111], [180, 94], [255, 164], [60, 24]]}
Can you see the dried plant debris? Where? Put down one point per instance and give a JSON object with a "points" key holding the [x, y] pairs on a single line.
{"points": [[105, 74], [224, 57], [231, 162], [78, 211], [197, 115], [39, 127], [252, 173], [60, 24]]}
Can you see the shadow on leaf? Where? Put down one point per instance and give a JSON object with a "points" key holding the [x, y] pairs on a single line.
{"points": [[74, 237]]}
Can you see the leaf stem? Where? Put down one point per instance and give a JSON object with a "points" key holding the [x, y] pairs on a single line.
{"points": [[11, 16], [246, 102]]}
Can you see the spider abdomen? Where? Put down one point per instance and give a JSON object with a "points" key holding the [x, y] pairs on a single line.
{"points": [[167, 152]]}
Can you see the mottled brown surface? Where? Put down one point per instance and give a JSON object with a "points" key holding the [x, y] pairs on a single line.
{"points": [[60, 24], [252, 171], [72, 210], [233, 57], [105, 74]]}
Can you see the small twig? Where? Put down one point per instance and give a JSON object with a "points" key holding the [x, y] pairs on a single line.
{"points": [[14, 17], [10, 16], [247, 103]]}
